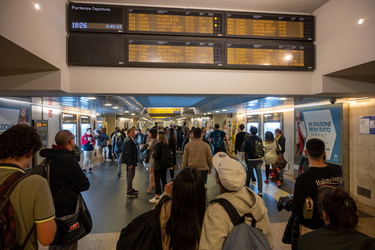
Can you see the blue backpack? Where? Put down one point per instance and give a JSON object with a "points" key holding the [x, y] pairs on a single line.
{"points": [[242, 236], [217, 139]]}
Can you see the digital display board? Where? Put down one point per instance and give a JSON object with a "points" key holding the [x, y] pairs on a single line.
{"points": [[174, 21], [174, 52], [270, 26], [255, 54], [96, 18]]}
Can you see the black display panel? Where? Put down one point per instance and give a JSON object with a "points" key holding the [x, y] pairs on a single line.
{"points": [[96, 18], [149, 20], [270, 26], [86, 49], [270, 55], [174, 52]]}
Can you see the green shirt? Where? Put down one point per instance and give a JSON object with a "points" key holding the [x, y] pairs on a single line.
{"points": [[32, 202]]}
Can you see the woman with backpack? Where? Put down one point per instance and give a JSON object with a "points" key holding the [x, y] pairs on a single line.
{"points": [[160, 170], [181, 217], [270, 156]]}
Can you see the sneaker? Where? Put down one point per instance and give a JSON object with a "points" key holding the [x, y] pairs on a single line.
{"points": [[85, 171], [260, 194], [134, 191], [278, 184], [154, 200], [131, 194], [267, 181], [90, 170]]}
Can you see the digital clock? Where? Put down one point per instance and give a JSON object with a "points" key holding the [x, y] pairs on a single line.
{"points": [[79, 25]]}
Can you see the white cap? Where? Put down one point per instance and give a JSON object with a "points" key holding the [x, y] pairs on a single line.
{"points": [[231, 173]]}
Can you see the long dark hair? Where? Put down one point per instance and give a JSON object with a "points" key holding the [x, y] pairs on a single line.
{"points": [[184, 226], [172, 141], [269, 137], [340, 208]]}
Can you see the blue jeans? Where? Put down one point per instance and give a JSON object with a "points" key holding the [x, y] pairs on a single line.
{"points": [[119, 157], [249, 173]]}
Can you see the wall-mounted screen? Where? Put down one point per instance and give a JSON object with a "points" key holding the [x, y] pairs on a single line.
{"points": [[96, 18], [174, 52], [257, 54], [270, 26], [174, 21]]}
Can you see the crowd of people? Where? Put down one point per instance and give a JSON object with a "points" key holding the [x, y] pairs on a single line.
{"points": [[186, 222]]}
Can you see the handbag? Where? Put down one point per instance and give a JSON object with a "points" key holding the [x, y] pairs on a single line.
{"points": [[143, 147], [281, 162], [75, 226]]}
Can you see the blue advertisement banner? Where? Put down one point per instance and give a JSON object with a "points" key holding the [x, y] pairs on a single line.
{"points": [[323, 122]]}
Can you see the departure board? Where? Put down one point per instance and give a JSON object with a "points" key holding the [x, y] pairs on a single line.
{"points": [[174, 21], [171, 52], [96, 18], [270, 26], [273, 56]]}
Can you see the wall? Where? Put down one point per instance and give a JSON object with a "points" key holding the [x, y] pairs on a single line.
{"points": [[41, 32], [340, 41], [361, 152]]}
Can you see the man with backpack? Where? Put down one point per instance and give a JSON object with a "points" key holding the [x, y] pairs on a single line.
{"points": [[130, 158], [33, 211], [218, 229], [198, 155], [117, 148], [253, 155], [66, 180], [217, 139]]}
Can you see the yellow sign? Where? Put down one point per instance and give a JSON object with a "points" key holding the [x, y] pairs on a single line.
{"points": [[164, 110]]}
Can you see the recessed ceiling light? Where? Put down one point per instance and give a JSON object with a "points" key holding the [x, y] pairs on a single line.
{"points": [[108, 104], [91, 98], [37, 6], [126, 111], [115, 107], [283, 98], [360, 21], [133, 114], [204, 113], [217, 111], [223, 110], [209, 113]]}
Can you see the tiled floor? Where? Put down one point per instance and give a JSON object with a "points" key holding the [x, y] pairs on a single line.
{"points": [[112, 210]]}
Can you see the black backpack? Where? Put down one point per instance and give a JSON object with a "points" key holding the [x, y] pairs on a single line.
{"points": [[217, 139], [143, 232], [242, 236], [42, 169], [7, 219], [168, 157], [256, 147]]}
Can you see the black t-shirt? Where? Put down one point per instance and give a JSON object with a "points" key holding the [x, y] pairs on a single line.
{"points": [[329, 237], [309, 184], [239, 140]]}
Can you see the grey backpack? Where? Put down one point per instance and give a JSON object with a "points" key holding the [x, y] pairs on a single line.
{"points": [[242, 236]]}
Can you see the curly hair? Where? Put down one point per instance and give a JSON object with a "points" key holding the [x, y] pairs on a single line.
{"points": [[18, 141]]}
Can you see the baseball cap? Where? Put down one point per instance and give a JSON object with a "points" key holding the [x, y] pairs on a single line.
{"points": [[231, 173]]}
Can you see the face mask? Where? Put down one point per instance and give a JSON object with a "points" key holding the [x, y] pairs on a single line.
{"points": [[118, 134]]}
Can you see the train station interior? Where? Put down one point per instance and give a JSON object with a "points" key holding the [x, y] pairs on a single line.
{"points": [[59, 73]]}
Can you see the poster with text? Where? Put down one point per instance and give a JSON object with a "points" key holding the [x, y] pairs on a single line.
{"points": [[11, 116], [324, 123]]}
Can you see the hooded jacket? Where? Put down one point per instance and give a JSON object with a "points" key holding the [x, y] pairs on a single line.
{"points": [[217, 223], [65, 175]]}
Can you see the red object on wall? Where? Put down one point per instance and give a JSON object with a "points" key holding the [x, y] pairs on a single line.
{"points": [[50, 113]]}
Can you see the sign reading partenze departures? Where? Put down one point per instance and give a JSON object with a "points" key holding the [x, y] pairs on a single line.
{"points": [[68, 118]]}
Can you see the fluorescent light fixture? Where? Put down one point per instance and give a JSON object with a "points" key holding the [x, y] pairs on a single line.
{"points": [[126, 111], [223, 110], [133, 114], [360, 21], [209, 113], [107, 104], [91, 98], [283, 98], [217, 111], [115, 107], [204, 113]]}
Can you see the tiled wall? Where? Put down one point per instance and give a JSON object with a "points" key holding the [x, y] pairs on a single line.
{"points": [[361, 152]]}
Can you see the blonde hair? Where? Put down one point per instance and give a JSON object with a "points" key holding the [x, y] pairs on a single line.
{"points": [[162, 138]]}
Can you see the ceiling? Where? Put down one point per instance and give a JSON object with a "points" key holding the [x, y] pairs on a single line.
{"points": [[16, 60]]}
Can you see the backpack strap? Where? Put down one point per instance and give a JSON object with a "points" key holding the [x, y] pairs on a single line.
{"points": [[231, 210], [10, 183]]}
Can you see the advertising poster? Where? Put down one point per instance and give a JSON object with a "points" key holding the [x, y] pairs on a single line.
{"points": [[12, 116], [324, 123]]}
